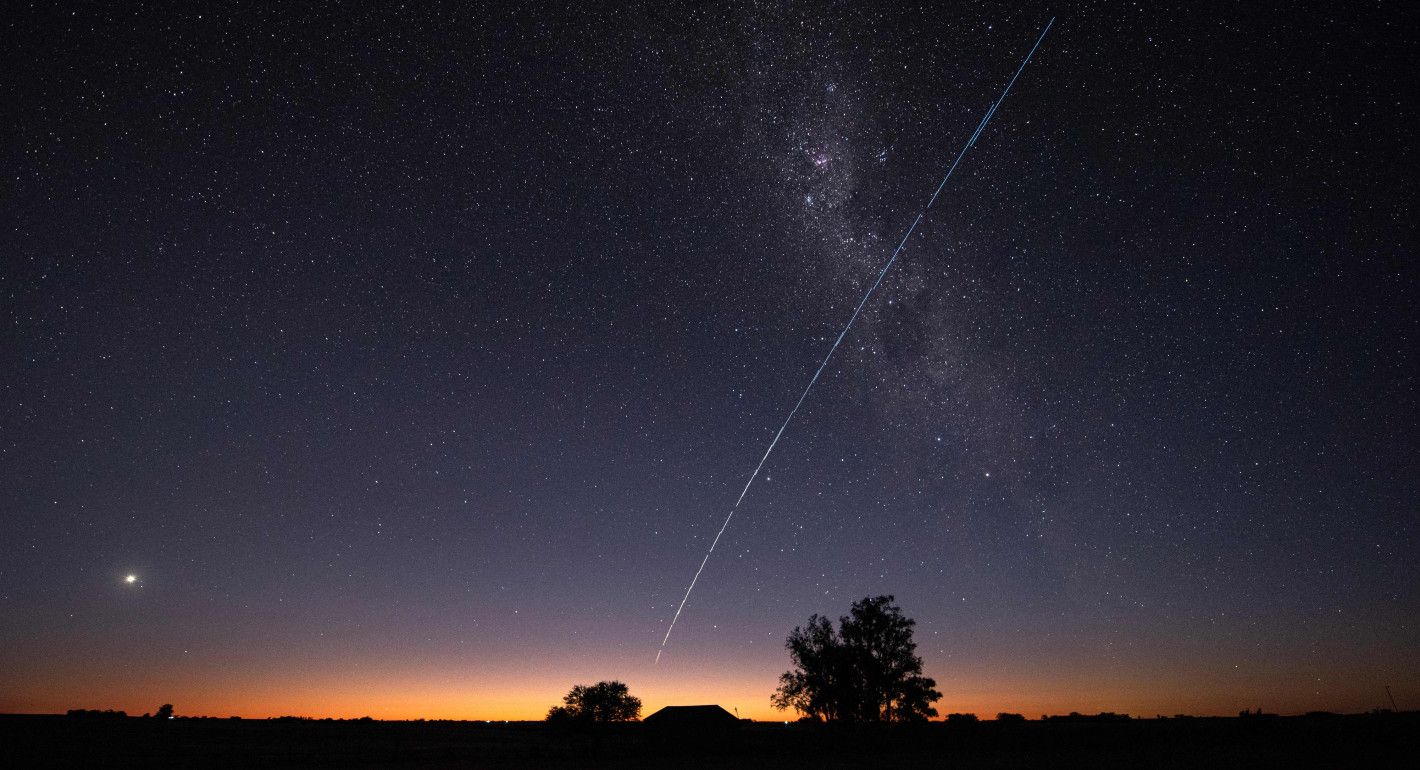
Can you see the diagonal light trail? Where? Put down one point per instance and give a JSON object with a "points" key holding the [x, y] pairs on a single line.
{"points": [[856, 312]]}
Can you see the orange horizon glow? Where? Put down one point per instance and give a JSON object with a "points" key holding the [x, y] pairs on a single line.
{"points": [[381, 696], [351, 679]]}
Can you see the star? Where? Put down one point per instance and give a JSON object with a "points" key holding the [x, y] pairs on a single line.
{"points": [[131, 579]]}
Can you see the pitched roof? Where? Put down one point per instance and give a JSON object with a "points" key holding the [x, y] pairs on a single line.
{"points": [[692, 715]]}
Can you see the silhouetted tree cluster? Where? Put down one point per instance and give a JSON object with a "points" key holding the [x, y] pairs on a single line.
{"points": [[867, 670], [165, 711], [601, 702]]}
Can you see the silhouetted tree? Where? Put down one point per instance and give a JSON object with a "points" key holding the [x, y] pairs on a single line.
{"points": [[1007, 717], [601, 702], [818, 686], [165, 711], [867, 670]]}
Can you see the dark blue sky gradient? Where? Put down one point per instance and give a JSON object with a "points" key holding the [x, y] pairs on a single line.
{"points": [[412, 358]]}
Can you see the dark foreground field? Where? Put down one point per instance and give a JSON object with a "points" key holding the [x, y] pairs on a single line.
{"points": [[1382, 740]]}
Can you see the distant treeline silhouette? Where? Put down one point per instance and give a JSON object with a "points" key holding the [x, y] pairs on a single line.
{"points": [[1075, 716], [1080, 740], [165, 711]]}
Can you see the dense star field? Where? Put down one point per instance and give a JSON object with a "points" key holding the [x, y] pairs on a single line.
{"points": [[408, 359]]}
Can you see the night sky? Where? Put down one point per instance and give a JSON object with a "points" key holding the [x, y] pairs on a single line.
{"points": [[410, 358]]}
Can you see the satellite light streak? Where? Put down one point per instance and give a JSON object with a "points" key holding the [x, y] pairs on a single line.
{"points": [[851, 320]]}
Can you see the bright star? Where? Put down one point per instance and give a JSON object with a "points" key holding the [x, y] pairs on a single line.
{"points": [[131, 579]]}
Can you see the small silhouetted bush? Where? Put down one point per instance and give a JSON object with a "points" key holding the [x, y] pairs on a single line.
{"points": [[962, 719], [1007, 717]]}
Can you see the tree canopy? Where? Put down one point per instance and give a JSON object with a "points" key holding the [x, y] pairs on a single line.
{"points": [[601, 702], [866, 670]]}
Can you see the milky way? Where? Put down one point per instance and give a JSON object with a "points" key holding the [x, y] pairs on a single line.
{"points": [[820, 160]]}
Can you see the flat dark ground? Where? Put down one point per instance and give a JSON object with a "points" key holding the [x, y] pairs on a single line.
{"points": [[1382, 740]]}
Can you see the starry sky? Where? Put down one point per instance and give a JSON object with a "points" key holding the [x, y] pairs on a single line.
{"points": [[409, 358]]}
